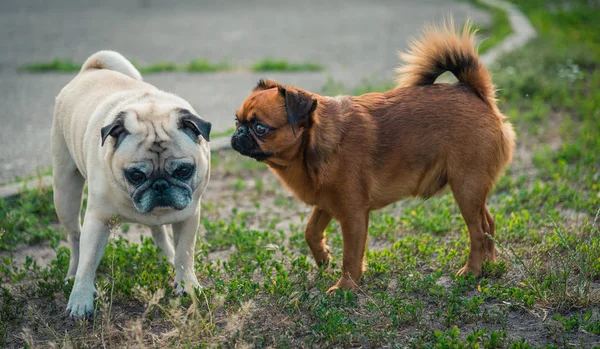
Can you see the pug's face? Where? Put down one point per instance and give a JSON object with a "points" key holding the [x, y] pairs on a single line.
{"points": [[159, 155], [271, 120]]}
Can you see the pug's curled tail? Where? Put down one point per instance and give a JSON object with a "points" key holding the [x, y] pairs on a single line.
{"points": [[442, 49], [113, 61]]}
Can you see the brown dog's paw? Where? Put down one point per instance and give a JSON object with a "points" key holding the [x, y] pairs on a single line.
{"points": [[344, 284], [324, 262], [469, 269]]}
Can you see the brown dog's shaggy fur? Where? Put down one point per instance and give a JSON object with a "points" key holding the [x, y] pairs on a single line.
{"points": [[346, 155]]}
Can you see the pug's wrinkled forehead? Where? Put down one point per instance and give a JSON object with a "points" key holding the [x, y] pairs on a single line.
{"points": [[155, 128]]}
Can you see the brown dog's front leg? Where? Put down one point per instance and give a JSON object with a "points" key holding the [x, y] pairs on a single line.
{"points": [[315, 235], [354, 232]]}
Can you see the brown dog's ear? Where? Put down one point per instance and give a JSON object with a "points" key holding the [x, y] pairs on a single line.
{"points": [[266, 84], [298, 105], [116, 129]]}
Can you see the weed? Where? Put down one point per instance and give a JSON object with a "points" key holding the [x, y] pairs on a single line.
{"points": [[269, 64], [198, 65], [158, 68], [28, 219], [203, 65], [59, 65]]}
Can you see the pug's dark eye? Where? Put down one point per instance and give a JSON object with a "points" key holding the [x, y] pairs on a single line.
{"points": [[237, 122], [135, 176], [183, 172], [260, 129]]}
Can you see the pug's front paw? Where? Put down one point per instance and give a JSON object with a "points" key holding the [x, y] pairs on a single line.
{"points": [[187, 286], [81, 303]]}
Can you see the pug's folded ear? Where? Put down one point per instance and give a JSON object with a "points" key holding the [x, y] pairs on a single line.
{"points": [[298, 106], [115, 129], [193, 126]]}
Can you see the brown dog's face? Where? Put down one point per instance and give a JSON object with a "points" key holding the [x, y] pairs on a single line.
{"points": [[271, 120]]}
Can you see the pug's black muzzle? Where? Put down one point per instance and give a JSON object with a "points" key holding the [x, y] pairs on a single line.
{"points": [[243, 142]]}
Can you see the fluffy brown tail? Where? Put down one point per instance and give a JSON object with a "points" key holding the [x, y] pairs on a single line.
{"points": [[442, 49]]}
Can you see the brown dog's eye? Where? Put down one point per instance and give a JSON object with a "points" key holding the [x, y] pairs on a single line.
{"points": [[260, 129]]}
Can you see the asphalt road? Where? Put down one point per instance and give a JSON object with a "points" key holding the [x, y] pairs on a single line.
{"points": [[353, 39]]}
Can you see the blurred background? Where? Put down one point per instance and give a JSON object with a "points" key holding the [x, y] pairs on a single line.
{"points": [[209, 52], [262, 288]]}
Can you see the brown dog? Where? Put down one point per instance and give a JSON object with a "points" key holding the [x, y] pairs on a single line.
{"points": [[347, 155]]}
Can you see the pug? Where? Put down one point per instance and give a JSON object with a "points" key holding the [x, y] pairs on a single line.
{"points": [[349, 155], [145, 156]]}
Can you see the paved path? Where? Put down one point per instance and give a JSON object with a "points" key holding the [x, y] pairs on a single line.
{"points": [[353, 39]]}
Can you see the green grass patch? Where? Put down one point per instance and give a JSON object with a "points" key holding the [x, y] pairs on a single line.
{"points": [[56, 65], [28, 219], [159, 67], [203, 65], [269, 64], [199, 65]]}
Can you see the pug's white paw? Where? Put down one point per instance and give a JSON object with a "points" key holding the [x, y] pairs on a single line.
{"points": [[187, 286], [81, 302]]}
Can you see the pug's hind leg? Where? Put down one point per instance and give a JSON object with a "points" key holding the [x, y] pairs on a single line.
{"points": [[68, 189], [184, 234], [315, 236], [161, 237]]}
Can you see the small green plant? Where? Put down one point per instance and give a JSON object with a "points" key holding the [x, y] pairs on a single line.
{"points": [[258, 184], [58, 65], [270, 64], [199, 65], [28, 219], [239, 185], [203, 65], [158, 68]]}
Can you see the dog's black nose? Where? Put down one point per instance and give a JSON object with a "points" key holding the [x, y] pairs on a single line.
{"points": [[242, 130], [160, 185]]}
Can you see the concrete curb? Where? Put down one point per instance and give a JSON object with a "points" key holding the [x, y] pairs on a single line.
{"points": [[522, 29], [11, 190]]}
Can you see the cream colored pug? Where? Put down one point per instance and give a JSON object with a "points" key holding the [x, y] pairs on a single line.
{"points": [[145, 156]]}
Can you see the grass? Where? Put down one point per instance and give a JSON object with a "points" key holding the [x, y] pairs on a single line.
{"points": [[261, 287], [194, 66], [270, 64], [27, 219], [58, 65]]}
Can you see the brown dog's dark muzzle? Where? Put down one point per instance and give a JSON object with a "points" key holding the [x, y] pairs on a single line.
{"points": [[243, 142]]}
